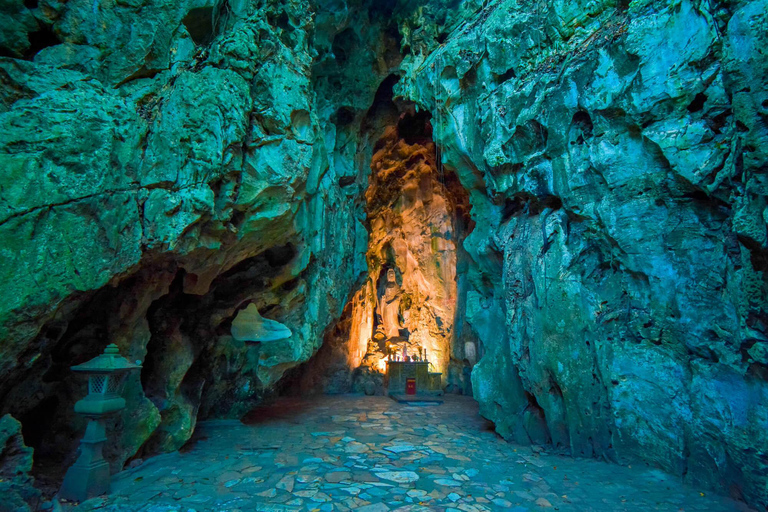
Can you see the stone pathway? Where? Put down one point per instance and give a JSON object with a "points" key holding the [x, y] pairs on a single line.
{"points": [[371, 454]]}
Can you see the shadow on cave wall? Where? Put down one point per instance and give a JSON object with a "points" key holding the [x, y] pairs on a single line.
{"points": [[189, 360]]}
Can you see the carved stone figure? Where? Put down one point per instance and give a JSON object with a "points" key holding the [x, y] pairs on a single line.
{"points": [[389, 306]]}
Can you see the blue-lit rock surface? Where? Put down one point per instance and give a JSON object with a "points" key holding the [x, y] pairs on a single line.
{"points": [[16, 484], [615, 157], [165, 164]]}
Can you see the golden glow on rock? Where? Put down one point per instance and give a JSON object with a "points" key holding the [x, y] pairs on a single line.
{"points": [[362, 325], [409, 299]]}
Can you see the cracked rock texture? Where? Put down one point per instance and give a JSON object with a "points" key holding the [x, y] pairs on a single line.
{"points": [[615, 156], [16, 484], [163, 165]]}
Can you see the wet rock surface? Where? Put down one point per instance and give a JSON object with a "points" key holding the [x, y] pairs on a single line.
{"points": [[373, 454]]}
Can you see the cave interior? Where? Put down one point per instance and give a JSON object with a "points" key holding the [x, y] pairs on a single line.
{"points": [[380, 254]]}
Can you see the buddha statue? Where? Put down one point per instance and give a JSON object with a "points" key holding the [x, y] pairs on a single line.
{"points": [[389, 306]]}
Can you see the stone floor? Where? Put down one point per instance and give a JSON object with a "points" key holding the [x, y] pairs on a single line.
{"points": [[372, 454]]}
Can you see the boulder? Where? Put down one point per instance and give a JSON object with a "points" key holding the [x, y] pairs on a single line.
{"points": [[16, 484]]}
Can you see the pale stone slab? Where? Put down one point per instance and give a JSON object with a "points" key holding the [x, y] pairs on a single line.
{"points": [[401, 477]]}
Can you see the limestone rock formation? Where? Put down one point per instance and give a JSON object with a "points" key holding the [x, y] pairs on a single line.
{"points": [[164, 163], [615, 167], [409, 302], [16, 484], [416, 221], [155, 176]]}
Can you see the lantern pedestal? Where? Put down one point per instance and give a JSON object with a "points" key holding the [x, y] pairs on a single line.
{"points": [[89, 476]]}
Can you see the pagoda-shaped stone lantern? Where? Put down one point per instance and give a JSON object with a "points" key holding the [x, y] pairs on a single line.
{"points": [[89, 475]]}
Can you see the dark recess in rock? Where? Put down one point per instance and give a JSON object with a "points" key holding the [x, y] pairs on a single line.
{"points": [[279, 256], [382, 9], [345, 43], [344, 116], [41, 39], [469, 79], [283, 22], [507, 75], [415, 128], [35, 422], [581, 127], [512, 206], [698, 102], [530, 137], [161, 334], [199, 24], [758, 254], [383, 106]]}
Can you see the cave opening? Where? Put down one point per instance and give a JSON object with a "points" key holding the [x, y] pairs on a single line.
{"points": [[176, 324], [406, 308]]}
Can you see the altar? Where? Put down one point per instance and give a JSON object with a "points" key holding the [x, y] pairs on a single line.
{"points": [[412, 378]]}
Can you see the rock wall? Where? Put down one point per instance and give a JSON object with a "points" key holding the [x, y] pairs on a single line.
{"points": [[158, 176], [163, 165], [417, 217], [15, 465], [416, 222], [615, 156]]}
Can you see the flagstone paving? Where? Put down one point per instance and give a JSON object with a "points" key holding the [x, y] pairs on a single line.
{"points": [[372, 454]]}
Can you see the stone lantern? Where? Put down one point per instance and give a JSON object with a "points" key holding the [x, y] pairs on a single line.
{"points": [[89, 475]]}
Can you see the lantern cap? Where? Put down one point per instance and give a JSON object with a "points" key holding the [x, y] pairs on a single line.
{"points": [[109, 361]]}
